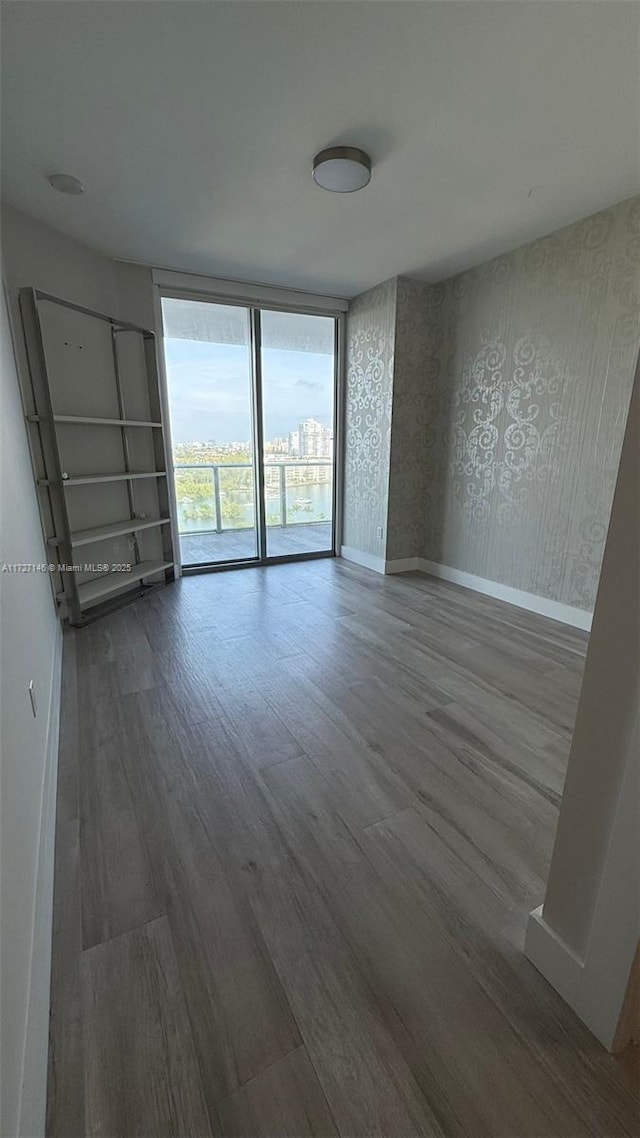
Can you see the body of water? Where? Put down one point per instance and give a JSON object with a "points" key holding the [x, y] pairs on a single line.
{"points": [[305, 503]]}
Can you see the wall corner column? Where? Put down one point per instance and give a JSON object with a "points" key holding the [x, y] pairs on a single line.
{"points": [[584, 937]]}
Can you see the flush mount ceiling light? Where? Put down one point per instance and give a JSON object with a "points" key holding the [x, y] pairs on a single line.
{"points": [[342, 169], [65, 184]]}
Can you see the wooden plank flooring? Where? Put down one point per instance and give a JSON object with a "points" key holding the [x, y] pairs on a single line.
{"points": [[304, 812]]}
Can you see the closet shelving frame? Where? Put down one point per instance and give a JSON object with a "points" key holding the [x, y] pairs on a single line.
{"points": [[82, 601]]}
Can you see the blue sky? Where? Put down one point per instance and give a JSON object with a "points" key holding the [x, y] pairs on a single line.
{"points": [[209, 391]]}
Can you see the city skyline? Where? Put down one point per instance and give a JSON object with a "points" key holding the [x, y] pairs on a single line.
{"points": [[311, 439], [246, 442]]}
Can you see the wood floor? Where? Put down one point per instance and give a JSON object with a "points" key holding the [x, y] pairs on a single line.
{"points": [[303, 814]]}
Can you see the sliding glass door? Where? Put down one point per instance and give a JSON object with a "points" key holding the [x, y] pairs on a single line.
{"points": [[251, 400], [298, 384], [209, 380]]}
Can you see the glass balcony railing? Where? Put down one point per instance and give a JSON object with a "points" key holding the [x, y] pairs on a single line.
{"points": [[217, 497]]}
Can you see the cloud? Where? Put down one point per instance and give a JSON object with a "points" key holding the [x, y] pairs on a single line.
{"points": [[310, 384]]}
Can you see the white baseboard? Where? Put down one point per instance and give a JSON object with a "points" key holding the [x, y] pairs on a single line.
{"points": [[367, 560], [552, 957], [403, 565], [378, 564], [566, 614], [578, 618], [33, 1090]]}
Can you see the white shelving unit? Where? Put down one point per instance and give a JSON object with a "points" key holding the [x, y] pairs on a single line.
{"points": [[115, 529], [101, 476], [95, 422], [87, 479], [91, 591]]}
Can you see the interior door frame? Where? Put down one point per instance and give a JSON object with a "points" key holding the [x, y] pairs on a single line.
{"points": [[256, 300]]}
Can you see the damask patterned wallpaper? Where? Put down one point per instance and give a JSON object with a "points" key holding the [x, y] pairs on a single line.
{"points": [[485, 414], [413, 442], [527, 386], [369, 385]]}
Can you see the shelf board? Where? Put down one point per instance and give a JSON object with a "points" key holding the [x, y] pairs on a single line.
{"points": [[105, 422], [91, 591], [116, 529], [85, 479], [95, 422]]}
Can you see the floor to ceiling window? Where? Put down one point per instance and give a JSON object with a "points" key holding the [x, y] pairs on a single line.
{"points": [[252, 407], [298, 382]]}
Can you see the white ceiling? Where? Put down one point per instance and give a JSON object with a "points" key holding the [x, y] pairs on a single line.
{"points": [[193, 126]]}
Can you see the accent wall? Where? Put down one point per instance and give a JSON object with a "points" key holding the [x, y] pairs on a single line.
{"points": [[535, 358], [506, 396], [369, 386]]}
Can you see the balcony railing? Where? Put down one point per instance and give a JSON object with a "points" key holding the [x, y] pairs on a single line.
{"points": [[218, 496]]}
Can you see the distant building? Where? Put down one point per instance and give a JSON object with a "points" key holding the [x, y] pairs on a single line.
{"points": [[294, 443], [277, 446], [314, 439]]}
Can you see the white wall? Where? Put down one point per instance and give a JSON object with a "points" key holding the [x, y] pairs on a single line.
{"points": [[30, 650], [135, 294], [585, 937], [33, 254]]}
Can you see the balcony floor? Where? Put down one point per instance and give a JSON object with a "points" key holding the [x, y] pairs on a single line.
{"points": [[199, 548]]}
